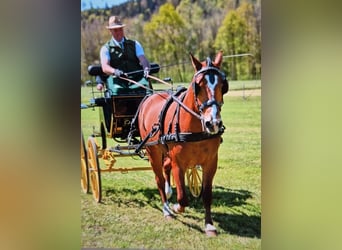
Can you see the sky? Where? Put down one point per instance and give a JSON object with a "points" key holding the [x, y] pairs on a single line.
{"points": [[85, 4]]}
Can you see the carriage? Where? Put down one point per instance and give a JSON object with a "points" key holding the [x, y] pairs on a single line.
{"points": [[115, 119], [180, 132]]}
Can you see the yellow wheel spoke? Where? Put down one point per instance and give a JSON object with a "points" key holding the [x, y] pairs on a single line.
{"points": [[194, 181], [94, 169]]}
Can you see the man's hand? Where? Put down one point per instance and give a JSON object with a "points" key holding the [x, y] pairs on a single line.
{"points": [[99, 86], [146, 72], [99, 82], [118, 73]]}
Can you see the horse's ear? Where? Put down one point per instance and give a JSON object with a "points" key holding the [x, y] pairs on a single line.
{"points": [[195, 63], [225, 86], [218, 59]]}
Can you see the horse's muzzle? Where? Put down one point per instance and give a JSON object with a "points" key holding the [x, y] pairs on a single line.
{"points": [[213, 126]]}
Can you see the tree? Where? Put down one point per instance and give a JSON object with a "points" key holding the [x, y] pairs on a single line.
{"points": [[253, 36], [192, 16], [93, 36], [165, 36], [232, 39]]}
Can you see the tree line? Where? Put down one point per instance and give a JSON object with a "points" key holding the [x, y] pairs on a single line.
{"points": [[170, 29]]}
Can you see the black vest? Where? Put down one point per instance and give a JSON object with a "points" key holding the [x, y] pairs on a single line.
{"points": [[125, 59]]}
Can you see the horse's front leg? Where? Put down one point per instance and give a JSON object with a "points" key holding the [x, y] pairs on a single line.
{"points": [[208, 175]]}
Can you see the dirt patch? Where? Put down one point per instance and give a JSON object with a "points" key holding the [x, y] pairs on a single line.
{"points": [[246, 93]]}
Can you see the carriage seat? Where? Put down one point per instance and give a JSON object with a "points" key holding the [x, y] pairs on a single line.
{"points": [[95, 70], [119, 109], [118, 112]]}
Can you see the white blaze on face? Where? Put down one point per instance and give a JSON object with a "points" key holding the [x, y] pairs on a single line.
{"points": [[212, 120]]}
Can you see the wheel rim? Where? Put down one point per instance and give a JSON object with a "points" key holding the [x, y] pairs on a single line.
{"points": [[94, 169], [194, 180], [84, 167]]}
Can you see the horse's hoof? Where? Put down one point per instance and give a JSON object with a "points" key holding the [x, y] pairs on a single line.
{"points": [[211, 233], [178, 209], [168, 217], [166, 210], [210, 230]]}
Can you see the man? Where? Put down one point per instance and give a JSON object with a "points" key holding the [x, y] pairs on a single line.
{"points": [[122, 57]]}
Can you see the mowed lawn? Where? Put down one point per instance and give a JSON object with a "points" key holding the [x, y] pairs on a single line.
{"points": [[130, 213]]}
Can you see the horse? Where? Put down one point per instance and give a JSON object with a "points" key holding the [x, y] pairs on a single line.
{"points": [[184, 130]]}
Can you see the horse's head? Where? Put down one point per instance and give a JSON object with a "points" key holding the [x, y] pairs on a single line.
{"points": [[209, 84]]}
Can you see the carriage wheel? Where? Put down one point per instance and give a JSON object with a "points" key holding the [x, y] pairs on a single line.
{"points": [[172, 180], [193, 176], [94, 169], [84, 167]]}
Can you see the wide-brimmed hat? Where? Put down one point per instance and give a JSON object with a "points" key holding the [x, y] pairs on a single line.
{"points": [[115, 23]]}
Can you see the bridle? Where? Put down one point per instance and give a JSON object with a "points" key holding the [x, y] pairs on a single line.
{"points": [[211, 82]]}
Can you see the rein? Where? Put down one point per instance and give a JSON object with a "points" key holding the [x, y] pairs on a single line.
{"points": [[177, 100], [201, 107], [174, 97], [159, 80], [132, 81]]}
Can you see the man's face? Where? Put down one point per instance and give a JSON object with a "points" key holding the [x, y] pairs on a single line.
{"points": [[118, 33]]}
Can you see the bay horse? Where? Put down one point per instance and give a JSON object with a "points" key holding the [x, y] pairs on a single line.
{"points": [[184, 130]]}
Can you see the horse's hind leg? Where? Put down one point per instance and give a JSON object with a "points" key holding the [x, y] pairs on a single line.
{"points": [[167, 172], [155, 156]]}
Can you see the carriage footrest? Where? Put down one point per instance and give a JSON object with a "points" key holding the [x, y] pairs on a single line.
{"points": [[96, 134], [127, 150]]}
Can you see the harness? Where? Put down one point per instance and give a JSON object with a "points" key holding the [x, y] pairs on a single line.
{"points": [[167, 136], [178, 97]]}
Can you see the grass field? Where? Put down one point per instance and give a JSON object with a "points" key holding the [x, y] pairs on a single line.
{"points": [[130, 213]]}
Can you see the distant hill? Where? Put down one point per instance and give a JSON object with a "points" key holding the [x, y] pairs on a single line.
{"points": [[124, 8], [100, 4]]}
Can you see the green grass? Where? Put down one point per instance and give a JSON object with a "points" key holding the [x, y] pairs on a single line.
{"points": [[130, 213], [248, 84]]}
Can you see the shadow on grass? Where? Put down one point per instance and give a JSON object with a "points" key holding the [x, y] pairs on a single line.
{"points": [[237, 222], [131, 197]]}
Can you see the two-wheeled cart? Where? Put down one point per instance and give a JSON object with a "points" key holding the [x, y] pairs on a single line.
{"points": [[115, 117]]}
